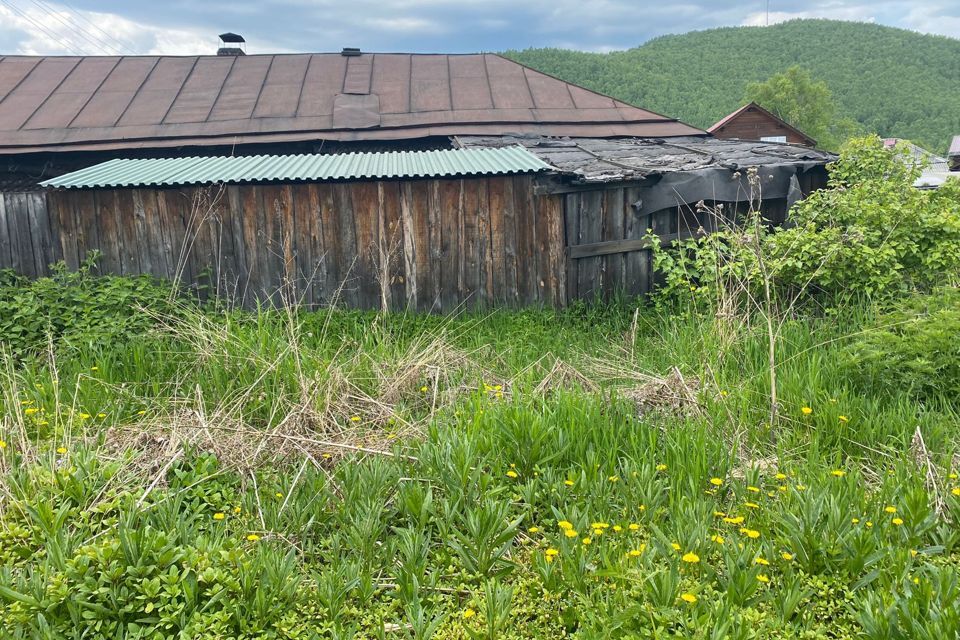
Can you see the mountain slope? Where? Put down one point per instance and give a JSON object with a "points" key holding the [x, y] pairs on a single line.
{"points": [[892, 81]]}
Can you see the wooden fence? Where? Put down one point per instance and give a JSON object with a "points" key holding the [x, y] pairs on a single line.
{"points": [[428, 245]]}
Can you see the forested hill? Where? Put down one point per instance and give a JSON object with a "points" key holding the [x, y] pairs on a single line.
{"points": [[892, 81]]}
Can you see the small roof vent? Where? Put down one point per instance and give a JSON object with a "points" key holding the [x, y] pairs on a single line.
{"points": [[351, 52], [231, 44]]}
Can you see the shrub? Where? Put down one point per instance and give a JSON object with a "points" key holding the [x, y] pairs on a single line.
{"points": [[870, 233], [77, 307], [915, 346]]}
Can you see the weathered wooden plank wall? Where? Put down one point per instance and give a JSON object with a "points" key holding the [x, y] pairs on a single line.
{"points": [[430, 245]]}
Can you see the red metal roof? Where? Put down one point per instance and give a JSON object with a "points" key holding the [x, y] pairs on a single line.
{"points": [[90, 103]]}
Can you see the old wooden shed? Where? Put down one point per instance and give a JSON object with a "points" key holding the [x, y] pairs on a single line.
{"points": [[400, 181]]}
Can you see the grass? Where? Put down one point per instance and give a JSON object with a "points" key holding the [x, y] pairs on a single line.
{"points": [[599, 472]]}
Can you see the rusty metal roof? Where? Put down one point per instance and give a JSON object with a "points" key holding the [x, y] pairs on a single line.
{"points": [[162, 172], [107, 103]]}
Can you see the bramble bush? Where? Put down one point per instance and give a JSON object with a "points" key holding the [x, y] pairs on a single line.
{"points": [[870, 233]]}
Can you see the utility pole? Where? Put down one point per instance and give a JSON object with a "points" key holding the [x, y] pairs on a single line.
{"points": [[768, 13]]}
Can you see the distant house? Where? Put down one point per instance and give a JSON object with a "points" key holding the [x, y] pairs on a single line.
{"points": [[402, 181], [934, 170], [753, 122], [953, 156]]}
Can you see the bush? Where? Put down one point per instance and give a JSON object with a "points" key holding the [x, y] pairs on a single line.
{"points": [[870, 233], [916, 347], [77, 307]]}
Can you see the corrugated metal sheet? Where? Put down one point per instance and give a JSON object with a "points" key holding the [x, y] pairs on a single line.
{"points": [[310, 167]]}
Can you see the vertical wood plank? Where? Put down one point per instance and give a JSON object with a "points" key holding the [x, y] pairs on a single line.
{"points": [[240, 276], [422, 199], [61, 205], [497, 259], [612, 266], [368, 270], [130, 247], [451, 211], [348, 250], [511, 263], [469, 241], [6, 257], [588, 269], [330, 253], [435, 228], [18, 221], [392, 230], [411, 247], [484, 244], [303, 226], [88, 232]]}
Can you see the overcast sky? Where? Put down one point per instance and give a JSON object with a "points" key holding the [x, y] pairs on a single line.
{"points": [[190, 26]]}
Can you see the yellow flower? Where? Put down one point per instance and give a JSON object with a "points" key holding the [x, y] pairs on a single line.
{"points": [[661, 467], [511, 474], [736, 520], [781, 476], [762, 561], [634, 553], [897, 521], [806, 411], [952, 476], [786, 556], [676, 547], [716, 481], [533, 530], [855, 520], [750, 533], [3, 445], [84, 416], [586, 541], [237, 509], [763, 578], [869, 524], [839, 473], [890, 509], [955, 491], [843, 419], [751, 505], [101, 415], [30, 411], [782, 488], [801, 487], [617, 528], [551, 552], [717, 538], [325, 456], [570, 533], [141, 413], [563, 524], [753, 489], [689, 598], [423, 389], [469, 613], [599, 525], [913, 553], [278, 494], [354, 418], [690, 557], [633, 526], [598, 532], [719, 514], [219, 515], [253, 537], [569, 483], [61, 450]]}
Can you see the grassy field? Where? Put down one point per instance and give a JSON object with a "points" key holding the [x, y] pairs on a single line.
{"points": [[607, 471]]}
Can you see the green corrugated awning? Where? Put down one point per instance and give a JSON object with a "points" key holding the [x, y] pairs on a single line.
{"points": [[162, 172]]}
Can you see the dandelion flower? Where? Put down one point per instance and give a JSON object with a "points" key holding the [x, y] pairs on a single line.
{"points": [[511, 474], [716, 481], [719, 514], [806, 410], [913, 553], [855, 520], [751, 505], [661, 467], [533, 530], [753, 489], [551, 552], [237, 509], [253, 537], [689, 598], [890, 509], [734, 520], [690, 557], [570, 533], [586, 541], [869, 524], [897, 521], [617, 528], [843, 419], [762, 561], [786, 556], [468, 613], [781, 476], [354, 418], [423, 389], [955, 491], [3, 444], [101, 415], [599, 525], [278, 495], [30, 411], [801, 487], [219, 515], [716, 538], [952, 476], [753, 534], [85, 416], [566, 526], [633, 526], [762, 578], [838, 473], [676, 547], [61, 450], [569, 483]]}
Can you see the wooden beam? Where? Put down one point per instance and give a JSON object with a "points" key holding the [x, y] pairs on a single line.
{"points": [[594, 249]]}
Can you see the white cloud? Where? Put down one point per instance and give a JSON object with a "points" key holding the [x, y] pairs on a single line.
{"points": [[929, 19], [859, 14]]}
